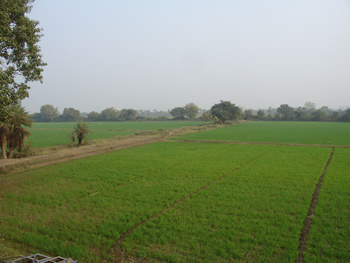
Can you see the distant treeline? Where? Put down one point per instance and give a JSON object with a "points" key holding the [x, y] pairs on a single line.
{"points": [[308, 112], [49, 113]]}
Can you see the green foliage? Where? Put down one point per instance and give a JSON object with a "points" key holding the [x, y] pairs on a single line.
{"points": [[226, 111], [178, 113], [70, 114], [80, 132], [286, 112], [109, 114], [206, 116], [93, 116], [260, 114], [20, 58], [128, 115], [12, 131], [48, 112], [191, 110]]}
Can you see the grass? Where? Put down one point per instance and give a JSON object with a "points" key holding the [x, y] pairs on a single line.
{"points": [[253, 214], [47, 134], [329, 240], [324, 133], [81, 208]]}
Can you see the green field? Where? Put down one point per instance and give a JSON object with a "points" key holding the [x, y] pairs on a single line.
{"points": [[185, 202], [325, 133], [47, 134]]}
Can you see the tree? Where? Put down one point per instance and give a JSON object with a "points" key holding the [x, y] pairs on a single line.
{"points": [[109, 114], [178, 113], [80, 132], [346, 115], [261, 114], [71, 114], [3, 133], [248, 114], [286, 112], [93, 116], [226, 111], [20, 58], [127, 114], [48, 112], [16, 133], [206, 116], [191, 110], [310, 106]]}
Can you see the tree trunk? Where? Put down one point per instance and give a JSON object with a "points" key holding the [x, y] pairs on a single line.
{"points": [[80, 139], [3, 150], [12, 148]]}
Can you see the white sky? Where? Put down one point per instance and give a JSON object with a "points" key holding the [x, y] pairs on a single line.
{"points": [[160, 54]]}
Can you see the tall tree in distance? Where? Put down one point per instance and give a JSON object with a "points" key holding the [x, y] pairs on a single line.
{"points": [[286, 112], [226, 111], [127, 115], [71, 114], [191, 110], [109, 114], [20, 58], [178, 113], [48, 112]]}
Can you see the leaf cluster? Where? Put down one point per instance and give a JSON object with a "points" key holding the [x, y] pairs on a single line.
{"points": [[20, 58]]}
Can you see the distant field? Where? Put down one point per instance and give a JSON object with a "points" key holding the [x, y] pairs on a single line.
{"points": [[180, 201], [326, 133], [46, 134]]}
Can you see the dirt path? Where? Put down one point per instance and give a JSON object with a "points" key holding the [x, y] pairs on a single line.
{"points": [[60, 154], [121, 256], [310, 214]]}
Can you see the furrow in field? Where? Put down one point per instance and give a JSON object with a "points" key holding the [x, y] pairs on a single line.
{"points": [[117, 248], [310, 214]]}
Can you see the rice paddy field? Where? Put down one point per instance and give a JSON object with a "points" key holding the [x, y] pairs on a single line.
{"points": [[200, 198], [48, 134]]}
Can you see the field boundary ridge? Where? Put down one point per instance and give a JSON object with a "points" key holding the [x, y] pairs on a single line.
{"points": [[308, 222]]}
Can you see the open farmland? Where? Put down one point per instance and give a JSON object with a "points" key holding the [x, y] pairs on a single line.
{"points": [[47, 134], [323, 133], [184, 202]]}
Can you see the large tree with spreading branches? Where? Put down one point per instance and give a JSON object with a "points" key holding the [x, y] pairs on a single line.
{"points": [[20, 58]]}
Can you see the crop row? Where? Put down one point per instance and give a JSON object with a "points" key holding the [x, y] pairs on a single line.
{"points": [[329, 239], [79, 209], [253, 214]]}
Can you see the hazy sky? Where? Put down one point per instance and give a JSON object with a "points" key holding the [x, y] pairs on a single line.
{"points": [[160, 54]]}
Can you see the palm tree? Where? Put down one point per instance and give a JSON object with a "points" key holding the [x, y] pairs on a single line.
{"points": [[16, 133], [80, 132], [3, 132]]}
